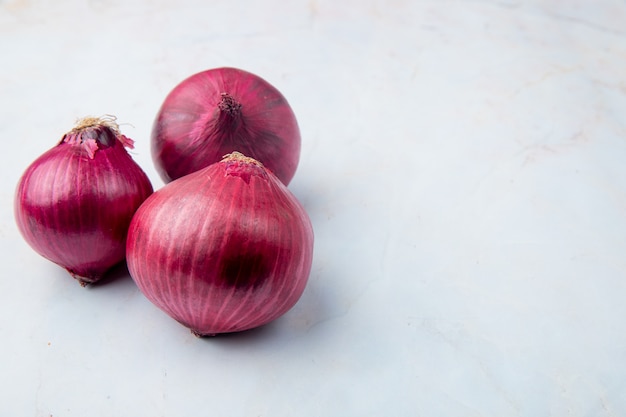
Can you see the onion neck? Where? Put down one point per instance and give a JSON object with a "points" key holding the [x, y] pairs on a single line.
{"points": [[229, 112], [239, 165], [94, 133]]}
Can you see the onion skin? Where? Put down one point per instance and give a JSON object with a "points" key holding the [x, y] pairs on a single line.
{"points": [[219, 111], [225, 249], [74, 203]]}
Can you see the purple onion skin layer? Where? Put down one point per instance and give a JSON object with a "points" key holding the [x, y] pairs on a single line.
{"points": [[74, 203], [225, 249], [219, 111]]}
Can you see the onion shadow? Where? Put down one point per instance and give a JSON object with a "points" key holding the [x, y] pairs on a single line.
{"points": [[117, 275], [246, 337]]}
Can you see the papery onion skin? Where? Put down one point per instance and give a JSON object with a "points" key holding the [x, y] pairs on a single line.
{"points": [[74, 203], [225, 249], [219, 111]]}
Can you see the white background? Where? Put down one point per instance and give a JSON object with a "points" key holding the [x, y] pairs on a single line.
{"points": [[464, 167]]}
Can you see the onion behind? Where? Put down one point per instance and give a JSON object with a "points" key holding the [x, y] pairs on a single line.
{"points": [[219, 111]]}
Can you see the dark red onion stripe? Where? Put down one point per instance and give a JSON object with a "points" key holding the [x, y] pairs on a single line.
{"points": [[278, 293], [250, 199], [246, 315], [250, 315], [226, 300], [261, 234]]}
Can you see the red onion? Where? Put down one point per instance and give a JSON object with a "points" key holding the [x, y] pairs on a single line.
{"points": [[74, 203], [225, 249], [219, 111]]}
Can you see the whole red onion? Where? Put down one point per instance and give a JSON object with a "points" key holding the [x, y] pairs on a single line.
{"points": [[74, 203], [224, 249], [219, 111]]}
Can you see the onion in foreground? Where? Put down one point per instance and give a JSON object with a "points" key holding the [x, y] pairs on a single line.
{"points": [[225, 249]]}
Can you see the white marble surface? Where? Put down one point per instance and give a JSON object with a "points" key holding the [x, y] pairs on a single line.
{"points": [[464, 165]]}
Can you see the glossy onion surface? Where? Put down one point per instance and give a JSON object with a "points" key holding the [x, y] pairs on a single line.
{"points": [[219, 111], [225, 249], [74, 203]]}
